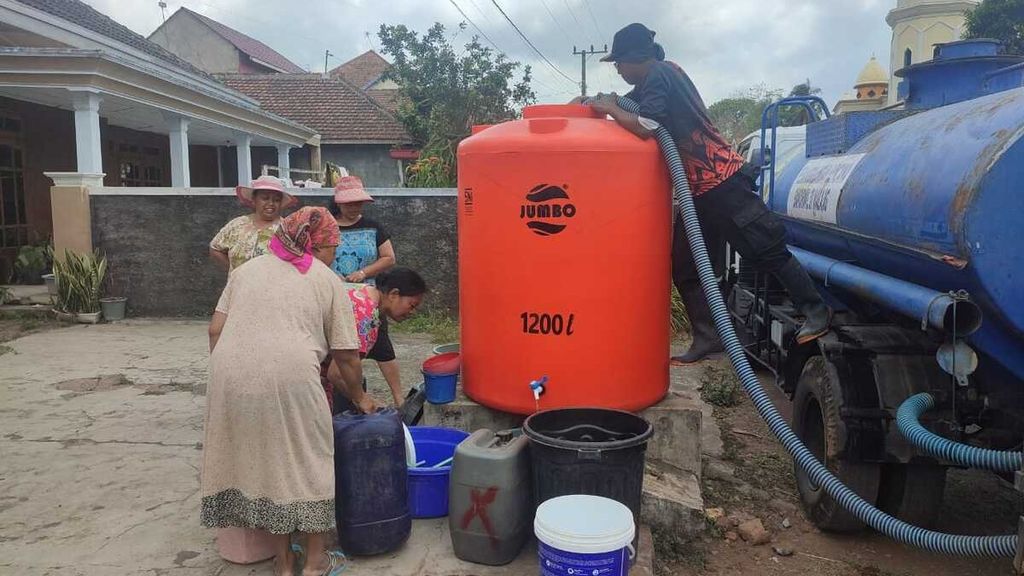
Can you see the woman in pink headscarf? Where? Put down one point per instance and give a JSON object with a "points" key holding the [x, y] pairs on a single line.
{"points": [[268, 456]]}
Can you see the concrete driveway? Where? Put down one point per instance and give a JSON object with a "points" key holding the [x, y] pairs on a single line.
{"points": [[100, 437]]}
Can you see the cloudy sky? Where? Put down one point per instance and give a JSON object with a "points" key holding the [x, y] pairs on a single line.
{"points": [[725, 45]]}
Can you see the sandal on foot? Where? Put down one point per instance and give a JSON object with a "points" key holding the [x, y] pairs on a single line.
{"points": [[337, 563], [299, 553]]}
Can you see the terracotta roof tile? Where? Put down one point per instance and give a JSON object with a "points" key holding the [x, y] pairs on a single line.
{"points": [[249, 46], [331, 106], [388, 99], [363, 70], [86, 16]]}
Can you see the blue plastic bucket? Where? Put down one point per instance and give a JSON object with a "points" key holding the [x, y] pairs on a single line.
{"points": [[582, 534], [428, 486], [440, 388]]}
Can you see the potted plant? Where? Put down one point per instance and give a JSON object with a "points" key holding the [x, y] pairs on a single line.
{"points": [[66, 304], [113, 305], [51, 284], [79, 283]]}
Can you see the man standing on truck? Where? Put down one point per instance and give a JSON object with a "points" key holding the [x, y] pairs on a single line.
{"points": [[721, 183]]}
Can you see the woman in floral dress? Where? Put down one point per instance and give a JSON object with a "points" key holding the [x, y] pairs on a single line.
{"points": [[248, 236]]}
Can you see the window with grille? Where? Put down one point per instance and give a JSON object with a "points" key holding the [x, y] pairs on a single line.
{"points": [[13, 219], [138, 165]]}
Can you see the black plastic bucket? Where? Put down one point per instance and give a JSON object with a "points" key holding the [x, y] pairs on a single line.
{"points": [[592, 451]]}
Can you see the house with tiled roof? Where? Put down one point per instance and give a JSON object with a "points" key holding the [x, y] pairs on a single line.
{"points": [[366, 72], [216, 48], [355, 131], [86, 103]]}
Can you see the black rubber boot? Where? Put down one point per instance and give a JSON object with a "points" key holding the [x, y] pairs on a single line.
{"points": [[702, 328], [805, 296]]}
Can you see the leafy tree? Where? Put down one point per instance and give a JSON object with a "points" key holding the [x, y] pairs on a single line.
{"points": [[999, 19], [740, 114], [797, 116], [445, 93]]}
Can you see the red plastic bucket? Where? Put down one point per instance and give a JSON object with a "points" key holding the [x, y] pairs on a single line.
{"points": [[443, 364]]}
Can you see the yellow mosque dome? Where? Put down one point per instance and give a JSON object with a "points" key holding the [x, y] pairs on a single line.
{"points": [[872, 74]]}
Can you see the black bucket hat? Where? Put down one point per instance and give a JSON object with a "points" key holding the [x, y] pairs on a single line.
{"points": [[634, 43]]}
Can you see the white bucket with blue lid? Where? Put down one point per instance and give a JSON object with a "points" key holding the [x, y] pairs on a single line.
{"points": [[582, 535]]}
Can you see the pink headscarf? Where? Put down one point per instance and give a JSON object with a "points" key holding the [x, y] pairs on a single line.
{"points": [[307, 228]]}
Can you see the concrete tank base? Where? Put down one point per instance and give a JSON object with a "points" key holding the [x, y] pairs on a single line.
{"points": [[672, 500], [429, 551]]}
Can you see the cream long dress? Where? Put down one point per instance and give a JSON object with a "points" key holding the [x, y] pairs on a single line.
{"points": [[268, 456]]}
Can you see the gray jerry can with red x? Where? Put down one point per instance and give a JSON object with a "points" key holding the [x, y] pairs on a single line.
{"points": [[490, 508]]}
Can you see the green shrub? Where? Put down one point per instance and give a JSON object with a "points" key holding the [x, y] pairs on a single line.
{"points": [[719, 387], [435, 168], [79, 282], [442, 328], [32, 262]]}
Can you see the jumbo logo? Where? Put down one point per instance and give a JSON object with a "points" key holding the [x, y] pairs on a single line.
{"points": [[547, 210]]}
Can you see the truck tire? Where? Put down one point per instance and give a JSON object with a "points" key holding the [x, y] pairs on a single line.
{"points": [[816, 420], [912, 492]]}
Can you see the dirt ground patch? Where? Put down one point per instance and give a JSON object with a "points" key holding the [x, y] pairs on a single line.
{"points": [[107, 382], [754, 479], [12, 328]]}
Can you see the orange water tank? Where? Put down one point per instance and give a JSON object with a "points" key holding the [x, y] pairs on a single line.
{"points": [[564, 240]]}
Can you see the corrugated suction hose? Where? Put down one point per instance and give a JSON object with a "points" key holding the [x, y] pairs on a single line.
{"points": [[960, 545], [908, 420]]}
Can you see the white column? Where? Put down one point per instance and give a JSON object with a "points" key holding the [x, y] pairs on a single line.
{"points": [[283, 162], [180, 175], [220, 166], [88, 143], [243, 143]]}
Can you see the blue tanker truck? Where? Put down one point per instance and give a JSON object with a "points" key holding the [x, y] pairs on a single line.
{"points": [[911, 219]]}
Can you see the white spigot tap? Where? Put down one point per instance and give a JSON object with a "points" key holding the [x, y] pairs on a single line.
{"points": [[537, 386]]}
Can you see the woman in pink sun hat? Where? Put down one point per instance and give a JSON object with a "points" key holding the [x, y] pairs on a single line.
{"points": [[248, 236], [365, 248], [364, 252]]}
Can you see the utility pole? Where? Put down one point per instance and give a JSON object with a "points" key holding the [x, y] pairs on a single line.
{"points": [[327, 54], [583, 63]]}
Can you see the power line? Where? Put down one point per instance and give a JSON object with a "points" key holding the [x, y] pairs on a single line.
{"points": [[500, 51], [557, 23], [489, 41], [573, 14], [527, 40], [596, 25], [482, 13]]}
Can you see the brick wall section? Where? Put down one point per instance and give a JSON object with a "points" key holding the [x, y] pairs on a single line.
{"points": [[157, 246]]}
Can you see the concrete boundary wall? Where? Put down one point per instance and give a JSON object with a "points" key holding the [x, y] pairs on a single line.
{"points": [[157, 241]]}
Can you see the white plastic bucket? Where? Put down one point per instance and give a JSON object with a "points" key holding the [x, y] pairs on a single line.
{"points": [[410, 448], [583, 535]]}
